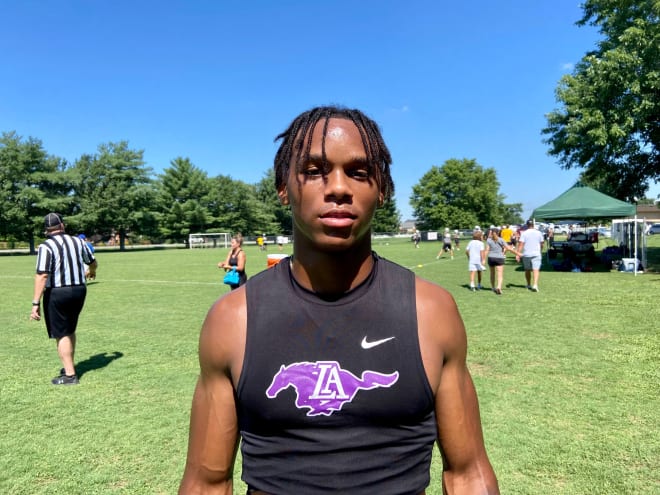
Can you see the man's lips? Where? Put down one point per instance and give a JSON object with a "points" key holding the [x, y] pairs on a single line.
{"points": [[338, 218]]}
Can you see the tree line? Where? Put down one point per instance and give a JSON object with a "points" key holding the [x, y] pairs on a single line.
{"points": [[112, 192]]}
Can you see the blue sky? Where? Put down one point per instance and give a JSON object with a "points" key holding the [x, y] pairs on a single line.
{"points": [[216, 81]]}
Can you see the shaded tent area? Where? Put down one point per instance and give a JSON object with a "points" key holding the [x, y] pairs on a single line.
{"points": [[582, 203]]}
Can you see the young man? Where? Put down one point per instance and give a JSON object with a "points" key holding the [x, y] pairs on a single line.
{"points": [[337, 369], [530, 247], [61, 265]]}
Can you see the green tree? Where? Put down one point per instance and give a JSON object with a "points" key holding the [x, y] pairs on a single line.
{"points": [[609, 120], [114, 191], [387, 218], [267, 194], [512, 214], [236, 208], [459, 194], [32, 183], [183, 199]]}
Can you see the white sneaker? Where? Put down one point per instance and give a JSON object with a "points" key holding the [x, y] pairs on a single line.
{"points": [[535, 288]]}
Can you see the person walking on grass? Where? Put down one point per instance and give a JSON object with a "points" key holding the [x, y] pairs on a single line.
{"points": [[496, 248], [530, 247], [61, 265], [475, 254], [336, 371]]}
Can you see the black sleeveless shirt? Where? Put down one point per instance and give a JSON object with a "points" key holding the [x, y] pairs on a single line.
{"points": [[333, 396]]}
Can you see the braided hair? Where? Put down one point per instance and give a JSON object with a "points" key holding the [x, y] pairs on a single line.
{"points": [[297, 142]]}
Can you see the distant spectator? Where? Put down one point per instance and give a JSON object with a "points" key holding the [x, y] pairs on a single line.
{"points": [[90, 246], [446, 245], [495, 253], [236, 259], [550, 236], [506, 233], [530, 248], [475, 254], [416, 238]]}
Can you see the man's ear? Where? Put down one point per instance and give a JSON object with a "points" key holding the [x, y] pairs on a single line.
{"points": [[381, 200], [283, 195]]}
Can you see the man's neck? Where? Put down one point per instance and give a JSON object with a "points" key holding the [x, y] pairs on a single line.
{"points": [[333, 272]]}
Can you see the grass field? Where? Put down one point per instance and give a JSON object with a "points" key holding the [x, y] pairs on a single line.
{"points": [[568, 377]]}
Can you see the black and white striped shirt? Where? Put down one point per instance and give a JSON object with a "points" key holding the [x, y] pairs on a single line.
{"points": [[63, 257]]}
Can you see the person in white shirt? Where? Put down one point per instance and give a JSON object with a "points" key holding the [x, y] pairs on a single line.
{"points": [[475, 254], [530, 246]]}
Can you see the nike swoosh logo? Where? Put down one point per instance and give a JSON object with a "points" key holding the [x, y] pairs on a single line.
{"points": [[368, 345]]}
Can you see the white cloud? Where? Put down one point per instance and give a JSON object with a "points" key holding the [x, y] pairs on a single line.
{"points": [[568, 66]]}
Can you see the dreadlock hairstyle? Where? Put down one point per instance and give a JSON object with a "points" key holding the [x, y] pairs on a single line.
{"points": [[297, 142]]}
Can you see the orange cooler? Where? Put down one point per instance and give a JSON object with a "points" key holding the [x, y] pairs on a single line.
{"points": [[274, 259]]}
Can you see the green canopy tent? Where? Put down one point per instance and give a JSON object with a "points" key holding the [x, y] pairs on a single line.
{"points": [[581, 202]]}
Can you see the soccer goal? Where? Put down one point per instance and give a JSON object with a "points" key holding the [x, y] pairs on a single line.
{"points": [[210, 240]]}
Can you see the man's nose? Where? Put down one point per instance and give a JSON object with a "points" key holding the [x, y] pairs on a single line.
{"points": [[337, 185]]}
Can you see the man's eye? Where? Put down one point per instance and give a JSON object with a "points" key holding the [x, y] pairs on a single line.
{"points": [[360, 173], [312, 171]]}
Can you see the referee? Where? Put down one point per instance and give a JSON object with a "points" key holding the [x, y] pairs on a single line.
{"points": [[60, 278]]}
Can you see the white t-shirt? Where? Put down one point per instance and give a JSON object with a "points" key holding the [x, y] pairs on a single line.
{"points": [[533, 240], [474, 249]]}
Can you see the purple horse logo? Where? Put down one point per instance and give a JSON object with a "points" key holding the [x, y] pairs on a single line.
{"points": [[324, 387]]}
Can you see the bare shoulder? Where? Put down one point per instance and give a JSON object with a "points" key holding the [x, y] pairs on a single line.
{"points": [[442, 337], [222, 338], [437, 312]]}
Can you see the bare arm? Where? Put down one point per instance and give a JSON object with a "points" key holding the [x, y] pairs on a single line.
{"points": [[241, 261], [213, 439], [92, 268], [466, 468], [40, 280], [520, 246]]}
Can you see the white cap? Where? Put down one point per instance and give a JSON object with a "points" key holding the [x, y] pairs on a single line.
{"points": [[476, 227]]}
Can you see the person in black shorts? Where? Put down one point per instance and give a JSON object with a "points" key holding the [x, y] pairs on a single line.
{"points": [[336, 371], [447, 246], [62, 261]]}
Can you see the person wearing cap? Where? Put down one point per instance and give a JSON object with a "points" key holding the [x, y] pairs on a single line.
{"points": [[60, 278], [530, 247], [446, 245]]}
